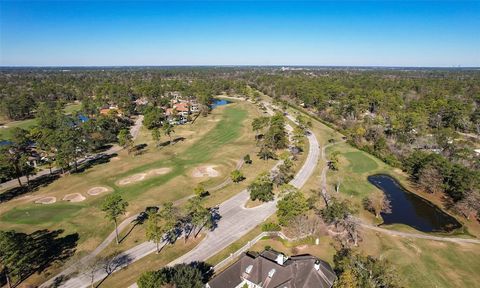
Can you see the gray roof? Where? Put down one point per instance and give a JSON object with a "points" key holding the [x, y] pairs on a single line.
{"points": [[296, 271]]}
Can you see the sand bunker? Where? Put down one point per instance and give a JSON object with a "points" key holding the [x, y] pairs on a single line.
{"points": [[97, 190], [132, 179], [159, 171], [46, 200], [142, 176], [74, 197], [205, 171]]}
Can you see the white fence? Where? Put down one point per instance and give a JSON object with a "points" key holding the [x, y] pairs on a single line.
{"points": [[249, 244]]}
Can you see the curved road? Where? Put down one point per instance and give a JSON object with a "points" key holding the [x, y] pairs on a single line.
{"points": [[236, 221]]}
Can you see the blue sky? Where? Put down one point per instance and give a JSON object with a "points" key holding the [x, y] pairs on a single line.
{"points": [[376, 33]]}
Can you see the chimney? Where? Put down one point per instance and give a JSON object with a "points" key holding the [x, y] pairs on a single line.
{"points": [[317, 265], [280, 259]]}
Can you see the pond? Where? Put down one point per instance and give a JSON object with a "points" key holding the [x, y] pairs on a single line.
{"points": [[412, 210], [219, 102]]}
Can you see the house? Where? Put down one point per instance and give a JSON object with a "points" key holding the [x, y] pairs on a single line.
{"points": [[111, 109], [270, 269]]}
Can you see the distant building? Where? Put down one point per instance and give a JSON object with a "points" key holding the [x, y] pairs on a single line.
{"points": [[273, 269], [111, 109]]}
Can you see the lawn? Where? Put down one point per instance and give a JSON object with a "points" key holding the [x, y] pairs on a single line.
{"points": [[360, 162], [426, 263], [7, 130]]}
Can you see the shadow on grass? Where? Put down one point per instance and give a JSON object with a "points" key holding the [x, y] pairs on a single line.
{"points": [[35, 184], [35, 252], [96, 160], [174, 141]]}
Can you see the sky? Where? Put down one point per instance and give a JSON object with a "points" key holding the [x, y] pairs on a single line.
{"points": [[340, 33]]}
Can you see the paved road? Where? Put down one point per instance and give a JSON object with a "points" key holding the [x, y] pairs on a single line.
{"points": [[134, 130], [236, 221]]}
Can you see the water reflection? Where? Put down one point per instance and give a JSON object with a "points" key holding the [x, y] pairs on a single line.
{"points": [[412, 210]]}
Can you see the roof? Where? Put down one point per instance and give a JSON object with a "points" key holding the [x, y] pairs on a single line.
{"points": [[181, 107], [263, 270]]}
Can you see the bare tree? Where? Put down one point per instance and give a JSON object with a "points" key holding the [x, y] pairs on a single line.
{"points": [[304, 225], [90, 267], [377, 204], [430, 179]]}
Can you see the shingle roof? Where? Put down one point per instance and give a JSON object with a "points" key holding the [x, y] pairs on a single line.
{"points": [[297, 271]]}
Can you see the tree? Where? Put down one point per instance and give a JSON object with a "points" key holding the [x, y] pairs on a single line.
{"points": [[298, 138], [13, 255], [356, 270], [247, 159], [90, 267], [154, 230], [236, 176], [200, 191], [282, 174], [377, 204], [114, 206], [152, 279], [153, 117], [258, 124], [430, 179], [334, 160], [336, 211], [291, 206], [170, 216], [199, 215], [14, 157], [266, 153], [193, 275], [276, 135], [156, 135], [168, 129], [261, 188], [125, 139]]}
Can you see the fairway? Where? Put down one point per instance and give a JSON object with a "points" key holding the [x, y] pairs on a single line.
{"points": [[38, 214], [360, 162], [224, 132]]}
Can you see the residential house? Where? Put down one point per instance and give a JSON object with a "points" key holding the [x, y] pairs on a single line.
{"points": [[270, 269]]}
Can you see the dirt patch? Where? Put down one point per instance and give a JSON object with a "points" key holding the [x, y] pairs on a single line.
{"points": [[159, 171], [115, 158], [97, 190], [46, 200], [74, 197], [205, 171]]}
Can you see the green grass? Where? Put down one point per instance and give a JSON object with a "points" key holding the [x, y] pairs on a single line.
{"points": [[6, 133], [360, 162], [226, 131], [38, 214], [72, 107]]}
